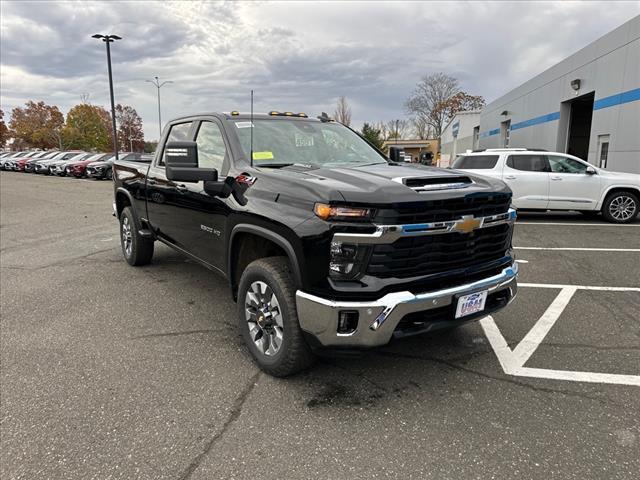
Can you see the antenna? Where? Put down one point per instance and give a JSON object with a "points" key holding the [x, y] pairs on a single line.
{"points": [[251, 130]]}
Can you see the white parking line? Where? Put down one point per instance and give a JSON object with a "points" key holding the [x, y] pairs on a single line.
{"points": [[512, 361], [580, 249], [581, 224]]}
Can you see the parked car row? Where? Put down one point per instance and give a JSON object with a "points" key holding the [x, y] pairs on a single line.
{"points": [[70, 163]]}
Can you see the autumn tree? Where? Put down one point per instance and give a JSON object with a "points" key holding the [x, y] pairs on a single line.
{"points": [[437, 98], [37, 125], [88, 127], [373, 135], [130, 134], [343, 112], [4, 131]]}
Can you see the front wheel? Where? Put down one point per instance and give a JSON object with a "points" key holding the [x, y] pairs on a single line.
{"points": [[136, 249], [620, 207], [268, 319]]}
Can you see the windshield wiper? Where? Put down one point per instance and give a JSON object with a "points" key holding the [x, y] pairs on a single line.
{"points": [[281, 165]]}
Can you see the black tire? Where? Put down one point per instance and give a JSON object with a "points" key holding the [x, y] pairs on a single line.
{"points": [[109, 174], [612, 211], [293, 354], [136, 249]]}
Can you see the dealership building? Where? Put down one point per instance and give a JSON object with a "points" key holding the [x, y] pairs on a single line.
{"points": [[588, 105]]}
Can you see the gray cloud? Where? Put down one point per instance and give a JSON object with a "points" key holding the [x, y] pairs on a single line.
{"points": [[297, 56]]}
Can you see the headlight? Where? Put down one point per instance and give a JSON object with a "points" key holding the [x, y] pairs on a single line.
{"points": [[346, 261], [327, 212]]}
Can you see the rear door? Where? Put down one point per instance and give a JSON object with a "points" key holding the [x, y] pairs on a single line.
{"points": [[570, 186], [527, 174]]}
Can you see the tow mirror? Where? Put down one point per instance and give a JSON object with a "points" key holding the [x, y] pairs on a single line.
{"points": [[396, 154], [591, 171], [181, 161]]}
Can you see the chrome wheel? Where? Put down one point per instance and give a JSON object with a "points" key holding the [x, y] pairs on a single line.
{"points": [[127, 237], [264, 318], [622, 207]]}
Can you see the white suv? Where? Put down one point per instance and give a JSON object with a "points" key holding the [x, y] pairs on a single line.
{"points": [[543, 180]]}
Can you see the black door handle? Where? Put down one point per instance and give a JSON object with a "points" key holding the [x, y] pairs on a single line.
{"points": [[151, 181], [182, 188]]}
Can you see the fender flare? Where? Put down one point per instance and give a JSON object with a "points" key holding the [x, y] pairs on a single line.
{"points": [[132, 204], [269, 235], [633, 188]]}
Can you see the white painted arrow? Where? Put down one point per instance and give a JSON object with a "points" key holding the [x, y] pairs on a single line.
{"points": [[512, 361]]}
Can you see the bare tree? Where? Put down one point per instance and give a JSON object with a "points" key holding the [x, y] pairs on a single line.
{"points": [[343, 111], [397, 129], [421, 129], [431, 92]]}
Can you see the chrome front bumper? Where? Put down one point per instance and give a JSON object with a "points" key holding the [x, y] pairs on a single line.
{"points": [[378, 319]]}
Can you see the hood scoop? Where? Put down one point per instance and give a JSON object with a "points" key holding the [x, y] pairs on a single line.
{"points": [[431, 184]]}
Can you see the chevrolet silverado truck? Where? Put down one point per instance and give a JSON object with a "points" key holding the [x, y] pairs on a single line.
{"points": [[326, 244]]}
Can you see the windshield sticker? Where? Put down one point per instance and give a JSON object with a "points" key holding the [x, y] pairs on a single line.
{"points": [[263, 155], [304, 140], [244, 125]]}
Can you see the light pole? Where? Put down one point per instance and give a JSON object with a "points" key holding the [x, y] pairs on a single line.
{"points": [[109, 39], [158, 85]]}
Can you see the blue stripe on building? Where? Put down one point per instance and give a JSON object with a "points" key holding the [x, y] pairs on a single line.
{"points": [[617, 99], [612, 101]]}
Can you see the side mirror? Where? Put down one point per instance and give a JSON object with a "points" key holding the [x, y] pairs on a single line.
{"points": [[181, 161], [396, 154], [590, 171]]}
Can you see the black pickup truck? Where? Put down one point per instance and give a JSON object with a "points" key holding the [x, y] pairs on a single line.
{"points": [[325, 242]]}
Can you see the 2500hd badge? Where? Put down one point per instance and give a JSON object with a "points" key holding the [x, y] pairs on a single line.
{"points": [[326, 243]]}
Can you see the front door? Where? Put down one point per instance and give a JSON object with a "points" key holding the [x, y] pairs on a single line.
{"points": [[570, 186], [528, 177]]}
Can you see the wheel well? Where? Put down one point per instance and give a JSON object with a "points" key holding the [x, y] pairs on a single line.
{"points": [[122, 201], [246, 248], [635, 191]]}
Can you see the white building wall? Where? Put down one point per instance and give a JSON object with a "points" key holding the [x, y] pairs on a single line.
{"points": [[451, 146], [610, 67]]}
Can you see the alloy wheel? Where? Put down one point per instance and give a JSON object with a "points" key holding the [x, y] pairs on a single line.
{"points": [[127, 237], [622, 207], [264, 318]]}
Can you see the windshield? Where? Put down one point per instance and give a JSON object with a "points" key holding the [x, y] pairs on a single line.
{"points": [[284, 141]]}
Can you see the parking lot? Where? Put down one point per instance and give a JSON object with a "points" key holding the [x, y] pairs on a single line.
{"points": [[110, 371]]}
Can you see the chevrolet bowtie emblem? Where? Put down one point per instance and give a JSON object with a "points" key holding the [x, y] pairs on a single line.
{"points": [[466, 224]]}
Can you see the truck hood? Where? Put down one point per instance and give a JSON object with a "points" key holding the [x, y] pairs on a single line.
{"points": [[384, 184]]}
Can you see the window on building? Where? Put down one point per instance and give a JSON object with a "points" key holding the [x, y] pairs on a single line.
{"points": [[476, 137], [475, 162], [505, 131], [528, 163], [603, 150]]}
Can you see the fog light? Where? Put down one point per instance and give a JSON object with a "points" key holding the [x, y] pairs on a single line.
{"points": [[347, 321]]}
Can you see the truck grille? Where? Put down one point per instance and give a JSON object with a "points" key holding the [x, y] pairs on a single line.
{"points": [[478, 205], [435, 254]]}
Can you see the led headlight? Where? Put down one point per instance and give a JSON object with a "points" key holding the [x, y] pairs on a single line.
{"points": [[328, 212], [346, 260]]}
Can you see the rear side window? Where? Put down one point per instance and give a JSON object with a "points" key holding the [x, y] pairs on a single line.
{"points": [[479, 162], [528, 163], [178, 133]]}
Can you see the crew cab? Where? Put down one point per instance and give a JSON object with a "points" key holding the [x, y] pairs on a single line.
{"points": [[542, 180], [326, 243]]}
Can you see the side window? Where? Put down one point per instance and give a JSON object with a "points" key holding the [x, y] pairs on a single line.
{"points": [[480, 162], [566, 165], [178, 133], [211, 149], [528, 163]]}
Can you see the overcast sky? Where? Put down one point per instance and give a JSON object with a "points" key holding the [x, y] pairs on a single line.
{"points": [[296, 56]]}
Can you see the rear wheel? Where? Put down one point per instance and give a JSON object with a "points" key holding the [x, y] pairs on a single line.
{"points": [[621, 207], [268, 319], [136, 249]]}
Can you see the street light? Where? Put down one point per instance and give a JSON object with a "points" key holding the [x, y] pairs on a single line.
{"points": [[109, 39], [158, 85]]}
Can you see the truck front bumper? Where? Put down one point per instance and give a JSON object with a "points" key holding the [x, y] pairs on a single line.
{"points": [[378, 320]]}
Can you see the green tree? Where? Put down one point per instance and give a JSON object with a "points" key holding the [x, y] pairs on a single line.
{"points": [[130, 133], [373, 135], [4, 131], [150, 147], [37, 125], [88, 127]]}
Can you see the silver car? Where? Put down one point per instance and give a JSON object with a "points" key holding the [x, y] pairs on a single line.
{"points": [[44, 165]]}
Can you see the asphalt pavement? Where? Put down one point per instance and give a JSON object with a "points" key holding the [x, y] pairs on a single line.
{"points": [[110, 371]]}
